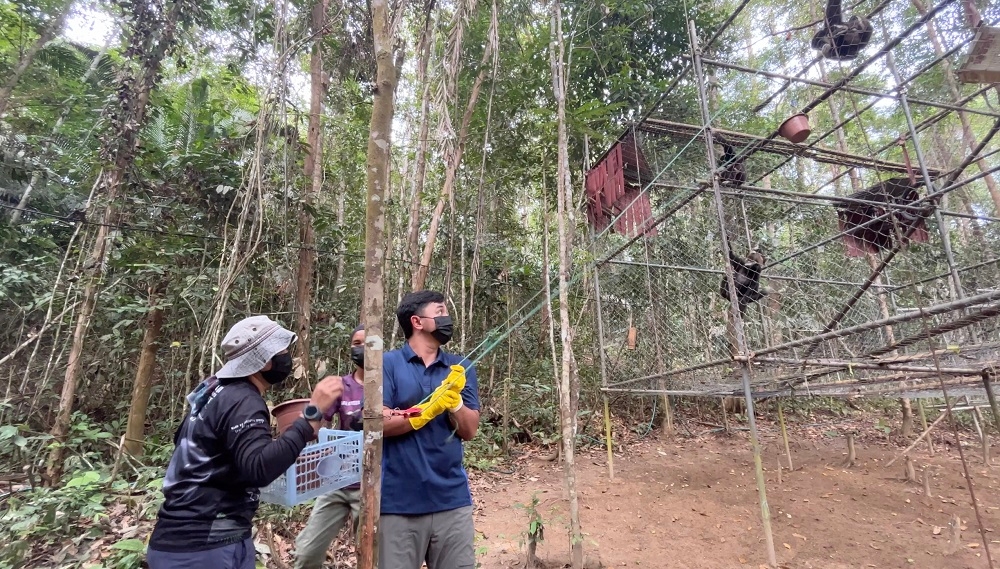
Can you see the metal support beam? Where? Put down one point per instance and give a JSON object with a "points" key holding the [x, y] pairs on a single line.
{"points": [[968, 320], [942, 308], [889, 94], [851, 364]]}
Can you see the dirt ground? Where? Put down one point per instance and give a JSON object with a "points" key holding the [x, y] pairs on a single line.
{"points": [[692, 503]]}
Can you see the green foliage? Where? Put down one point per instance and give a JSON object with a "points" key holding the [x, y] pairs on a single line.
{"points": [[126, 554], [535, 530], [46, 516], [41, 519]]}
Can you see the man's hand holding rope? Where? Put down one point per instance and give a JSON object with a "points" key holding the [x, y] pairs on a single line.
{"points": [[447, 397]]}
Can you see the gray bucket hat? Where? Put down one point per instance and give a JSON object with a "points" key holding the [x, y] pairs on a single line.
{"points": [[250, 344]]}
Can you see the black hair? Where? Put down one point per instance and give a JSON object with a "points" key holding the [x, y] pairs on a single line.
{"points": [[413, 303]]}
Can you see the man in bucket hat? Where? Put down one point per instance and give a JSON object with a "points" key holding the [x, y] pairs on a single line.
{"points": [[224, 452]]}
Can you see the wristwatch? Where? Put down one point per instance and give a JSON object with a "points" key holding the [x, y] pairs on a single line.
{"points": [[312, 413]]}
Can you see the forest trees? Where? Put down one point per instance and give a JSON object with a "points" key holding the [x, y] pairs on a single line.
{"points": [[292, 158], [151, 32]]}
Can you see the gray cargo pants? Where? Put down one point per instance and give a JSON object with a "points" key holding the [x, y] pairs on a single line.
{"points": [[329, 514], [443, 539]]}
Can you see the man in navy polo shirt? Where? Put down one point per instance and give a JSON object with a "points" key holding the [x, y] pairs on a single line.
{"points": [[426, 513]]}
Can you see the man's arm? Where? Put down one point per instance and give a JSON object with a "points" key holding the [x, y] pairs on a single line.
{"points": [[465, 421], [395, 425], [258, 459]]}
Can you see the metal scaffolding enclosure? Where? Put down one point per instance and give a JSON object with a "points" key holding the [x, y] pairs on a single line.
{"points": [[878, 323], [902, 314]]}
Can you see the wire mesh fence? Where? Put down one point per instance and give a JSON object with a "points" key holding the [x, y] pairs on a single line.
{"points": [[862, 256]]}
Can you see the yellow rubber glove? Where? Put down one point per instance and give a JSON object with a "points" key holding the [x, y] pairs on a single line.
{"points": [[454, 382], [446, 401]]}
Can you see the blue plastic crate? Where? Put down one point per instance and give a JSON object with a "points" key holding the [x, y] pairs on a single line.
{"points": [[330, 464]]}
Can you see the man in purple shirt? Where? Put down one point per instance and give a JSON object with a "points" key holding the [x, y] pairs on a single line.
{"points": [[331, 510]]}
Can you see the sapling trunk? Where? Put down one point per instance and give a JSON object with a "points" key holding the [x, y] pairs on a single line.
{"points": [[926, 479], [851, 456], [954, 535]]}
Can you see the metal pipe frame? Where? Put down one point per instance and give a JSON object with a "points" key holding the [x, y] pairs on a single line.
{"points": [[774, 146], [726, 390], [930, 121], [942, 308], [969, 320], [766, 389], [930, 197], [858, 90], [956, 289], [896, 288], [934, 310], [835, 87], [921, 126], [801, 198], [816, 60], [922, 164], [952, 176], [919, 23], [846, 364], [924, 124], [957, 304], [720, 272]]}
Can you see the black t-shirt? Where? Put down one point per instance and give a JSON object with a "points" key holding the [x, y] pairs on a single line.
{"points": [[224, 454]]}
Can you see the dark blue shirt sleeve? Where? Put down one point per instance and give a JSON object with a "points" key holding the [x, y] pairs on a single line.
{"points": [[470, 393], [389, 381], [258, 458]]}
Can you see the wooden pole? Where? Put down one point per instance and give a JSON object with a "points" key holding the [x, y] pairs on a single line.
{"points": [[920, 438], [784, 435], [923, 425], [737, 319], [984, 437], [607, 438], [992, 397]]}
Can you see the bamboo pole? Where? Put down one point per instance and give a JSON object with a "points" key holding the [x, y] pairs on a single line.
{"points": [[920, 438], [734, 309], [992, 398], [607, 438], [784, 435], [923, 425]]}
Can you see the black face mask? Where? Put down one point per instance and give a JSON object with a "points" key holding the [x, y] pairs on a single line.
{"points": [[281, 366], [358, 355], [443, 329]]}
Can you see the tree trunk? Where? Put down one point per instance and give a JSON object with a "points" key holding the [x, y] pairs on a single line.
{"points": [[379, 147], [151, 42], [135, 428], [314, 182], [453, 158], [565, 227], [341, 199], [907, 428], [452, 151], [423, 141], [28, 58]]}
